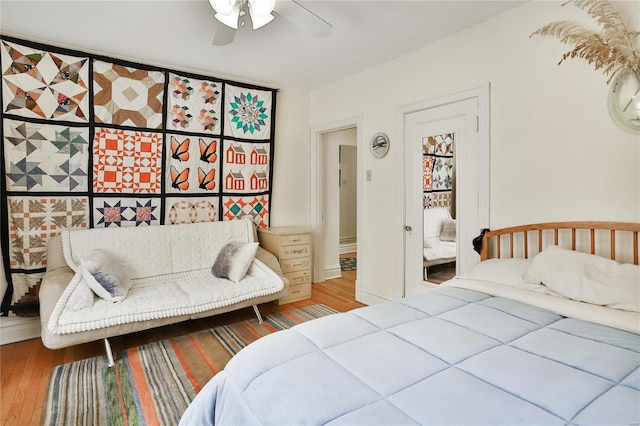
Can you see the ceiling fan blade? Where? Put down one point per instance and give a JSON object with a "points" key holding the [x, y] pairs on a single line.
{"points": [[223, 35], [302, 17]]}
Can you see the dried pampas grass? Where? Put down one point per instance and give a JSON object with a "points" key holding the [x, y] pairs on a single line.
{"points": [[611, 51]]}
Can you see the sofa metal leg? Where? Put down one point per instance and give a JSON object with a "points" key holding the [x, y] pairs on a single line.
{"points": [[255, 309], [107, 348]]}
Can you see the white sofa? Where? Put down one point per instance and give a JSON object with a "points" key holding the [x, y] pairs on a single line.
{"points": [[170, 269], [437, 251]]}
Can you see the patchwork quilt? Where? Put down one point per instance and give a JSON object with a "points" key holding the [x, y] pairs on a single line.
{"points": [[438, 170], [94, 142], [450, 356]]}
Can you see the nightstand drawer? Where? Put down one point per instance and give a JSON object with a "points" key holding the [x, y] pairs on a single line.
{"points": [[296, 292], [290, 252], [302, 277], [293, 265], [288, 240]]}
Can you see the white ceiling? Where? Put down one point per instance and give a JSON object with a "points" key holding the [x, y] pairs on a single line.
{"points": [[178, 34]]}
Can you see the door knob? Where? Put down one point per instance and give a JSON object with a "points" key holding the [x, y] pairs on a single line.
{"points": [[408, 228]]}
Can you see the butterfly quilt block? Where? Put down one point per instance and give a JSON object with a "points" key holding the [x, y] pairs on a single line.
{"points": [[193, 163]]}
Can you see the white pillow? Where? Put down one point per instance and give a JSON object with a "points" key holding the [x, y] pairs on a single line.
{"points": [[432, 221], [587, 278], [233, 260], [502, 271], [106, 275]]}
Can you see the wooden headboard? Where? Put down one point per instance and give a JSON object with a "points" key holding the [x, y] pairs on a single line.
{"points": [[617, 240]]}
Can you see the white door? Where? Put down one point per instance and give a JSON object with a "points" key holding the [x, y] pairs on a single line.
{"points": [[461, 119]]}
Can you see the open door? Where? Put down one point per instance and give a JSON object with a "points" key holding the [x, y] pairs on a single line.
{"points": [[457, 120]]}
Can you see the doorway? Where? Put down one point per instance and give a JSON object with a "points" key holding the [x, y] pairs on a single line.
{"points": [[464, 116], [319, 202], [340, 198]]}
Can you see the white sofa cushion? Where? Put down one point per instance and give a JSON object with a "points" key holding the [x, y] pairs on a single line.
{"points": [[158, 250], [438, 249]]}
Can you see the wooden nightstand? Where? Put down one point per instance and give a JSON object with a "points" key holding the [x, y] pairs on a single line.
{"points": [[292, 246]]}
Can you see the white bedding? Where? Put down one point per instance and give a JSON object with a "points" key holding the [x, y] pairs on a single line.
{"points": [[512, 278], [623, 320]]}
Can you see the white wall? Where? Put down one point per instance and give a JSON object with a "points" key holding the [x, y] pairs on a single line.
{"points": [[290, 190], [555, 153], [348, 191]]}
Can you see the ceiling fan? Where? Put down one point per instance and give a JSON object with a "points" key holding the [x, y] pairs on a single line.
{"points": [[233, 14]]}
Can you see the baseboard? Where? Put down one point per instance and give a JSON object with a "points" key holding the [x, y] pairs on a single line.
{"points": [[348, 248], [333, 271], [17, 329], [370, 298], [430, 284]]}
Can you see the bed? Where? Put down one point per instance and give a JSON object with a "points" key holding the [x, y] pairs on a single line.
{"points": [[492, 347]]}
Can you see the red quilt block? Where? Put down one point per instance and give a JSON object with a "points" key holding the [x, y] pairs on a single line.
{"points": [[127, 161]]}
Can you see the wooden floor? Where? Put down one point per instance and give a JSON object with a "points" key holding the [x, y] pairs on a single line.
{"points": [[438, 274], [25, 366]]}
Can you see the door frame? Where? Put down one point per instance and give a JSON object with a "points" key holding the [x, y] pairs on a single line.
{"points": [[483, 120], [317, 195]]}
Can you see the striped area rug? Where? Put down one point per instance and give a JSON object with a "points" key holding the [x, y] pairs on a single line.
{"points": [[153, 384]]}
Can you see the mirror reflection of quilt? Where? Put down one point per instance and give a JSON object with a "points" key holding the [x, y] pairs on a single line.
{"points": [[91, 141], [449, 356]]}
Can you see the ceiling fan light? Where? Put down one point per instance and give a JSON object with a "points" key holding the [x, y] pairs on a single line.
{"points": [[230, 20], [224, 7], [258, 21], [262, 8]]}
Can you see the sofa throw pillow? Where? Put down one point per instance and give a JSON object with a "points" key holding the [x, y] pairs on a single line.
{"points": [[448, 230], [234, 260], [106, 275]]}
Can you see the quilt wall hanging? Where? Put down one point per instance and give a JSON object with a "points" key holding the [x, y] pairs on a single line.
{"points": [[92, 141], [438, 171]]}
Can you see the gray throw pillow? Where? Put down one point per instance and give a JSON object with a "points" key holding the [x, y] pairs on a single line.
{"points": [[233, 260], [448, 230]]}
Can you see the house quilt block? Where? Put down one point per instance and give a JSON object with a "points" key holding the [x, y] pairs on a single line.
{"points": [[93, 141]]}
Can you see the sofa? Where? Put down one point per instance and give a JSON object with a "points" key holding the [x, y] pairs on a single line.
{"points": [[168, 269], [439, 242]]}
